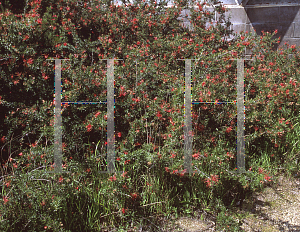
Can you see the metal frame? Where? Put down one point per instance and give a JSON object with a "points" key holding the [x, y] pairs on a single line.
{"points": [[110, 116], [240, 116], [188, 123]]}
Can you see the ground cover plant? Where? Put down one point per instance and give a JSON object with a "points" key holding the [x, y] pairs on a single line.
{"points": [[149, 115]]}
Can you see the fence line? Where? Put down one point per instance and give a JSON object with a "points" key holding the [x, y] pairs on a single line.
{"points": [[110, 116]]}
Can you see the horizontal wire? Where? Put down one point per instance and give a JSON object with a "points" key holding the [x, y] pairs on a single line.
{"points": [[84, 102], [212, 102]]}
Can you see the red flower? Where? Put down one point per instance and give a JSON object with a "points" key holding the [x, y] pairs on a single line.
{"points": [[7, 184], [133, 195], [208, 184], [33, 144], [89, 127], [196, 155], [268, 178], [182, 172], [158, 114], [5, 199], [172, 155], [123, 210], [229, 129], [44, 76], [29, 61], [119, 134], [175, 171], [97, 114], [230, 155], [112, 178], [215, 178], [26, 37], [3, 139]]}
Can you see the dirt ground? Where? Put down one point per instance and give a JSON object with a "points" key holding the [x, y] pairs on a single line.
{"points": [[276, 208]]}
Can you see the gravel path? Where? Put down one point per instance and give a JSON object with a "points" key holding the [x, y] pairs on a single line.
{"points": [[277, 208]]}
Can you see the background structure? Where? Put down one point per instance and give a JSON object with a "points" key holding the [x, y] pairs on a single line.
{"points": [[267, 15], [261, 15]]}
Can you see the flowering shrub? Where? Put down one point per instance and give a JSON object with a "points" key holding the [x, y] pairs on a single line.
{"points": [[149, 97]]}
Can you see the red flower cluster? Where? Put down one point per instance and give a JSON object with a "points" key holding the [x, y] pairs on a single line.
{"points": [[211, 180], [196, 155], [229, 129], [134, 196], [112, 178], [89, 127]]}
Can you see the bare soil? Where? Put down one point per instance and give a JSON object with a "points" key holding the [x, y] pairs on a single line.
{"points": [[276, 208]]}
